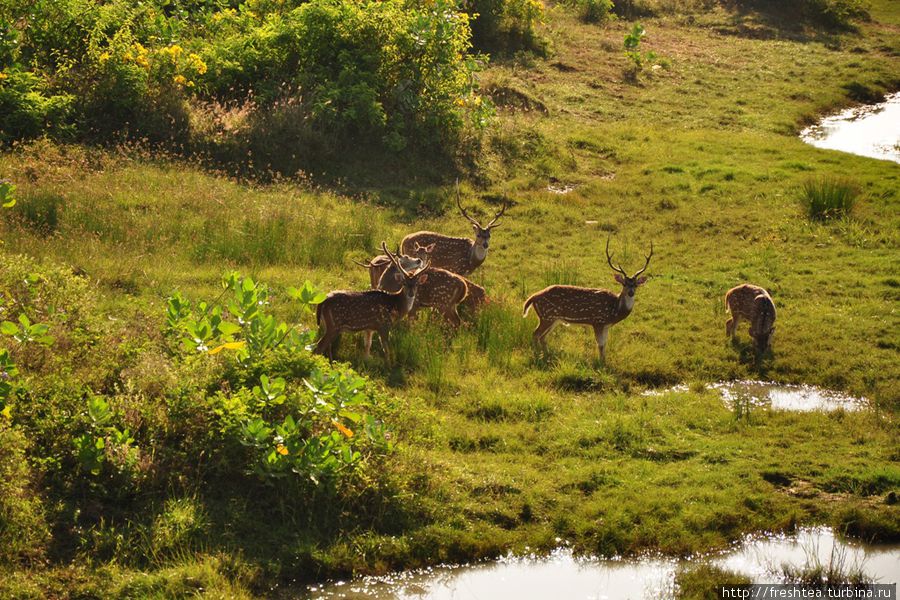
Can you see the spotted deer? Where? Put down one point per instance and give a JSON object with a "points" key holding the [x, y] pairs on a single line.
{"points": [[443, 291], [598, 308], [459, 255], [382, 263], [751, 303], [370, 310], [475, 298]]}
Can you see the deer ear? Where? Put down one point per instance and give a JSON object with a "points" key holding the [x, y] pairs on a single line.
{"points": [[429, 248], [641, 281], [423, 279], [398, 277], [619, 278]]}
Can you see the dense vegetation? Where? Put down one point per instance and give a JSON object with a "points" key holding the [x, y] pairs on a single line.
{"points": [[164, 430]]}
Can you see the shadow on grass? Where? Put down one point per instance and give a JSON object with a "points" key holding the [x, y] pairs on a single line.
{"points": [[804, 22]]}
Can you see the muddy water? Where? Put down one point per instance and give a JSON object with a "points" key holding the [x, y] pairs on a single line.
{"points": [[872, 130], [562, 575], [803, 398]]}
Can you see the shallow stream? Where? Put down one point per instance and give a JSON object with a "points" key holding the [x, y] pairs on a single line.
{"points": [[563, 575]]}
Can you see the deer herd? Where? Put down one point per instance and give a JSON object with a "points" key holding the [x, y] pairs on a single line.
{"points": [[429, 271]]}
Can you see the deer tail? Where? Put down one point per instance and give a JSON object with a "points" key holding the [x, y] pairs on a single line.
{"points": [[527, 306]]}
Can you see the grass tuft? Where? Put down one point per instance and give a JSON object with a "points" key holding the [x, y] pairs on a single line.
{"points": [[829, 197]]}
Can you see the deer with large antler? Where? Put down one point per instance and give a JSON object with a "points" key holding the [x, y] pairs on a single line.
{"points": [[459, 255], [598, 308], [443, 291], [382, 264], [370, 310]]}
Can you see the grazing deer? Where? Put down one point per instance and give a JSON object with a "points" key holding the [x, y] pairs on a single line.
{"points": [[371, 310], [382, 263], [459, 255], [751, 303], [586, 306], [475, 298]]}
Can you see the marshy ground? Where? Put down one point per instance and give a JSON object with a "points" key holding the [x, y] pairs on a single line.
{"points": [[500, 449]]}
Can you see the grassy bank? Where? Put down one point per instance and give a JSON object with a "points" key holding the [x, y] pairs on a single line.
{"points": [[497, 448]]}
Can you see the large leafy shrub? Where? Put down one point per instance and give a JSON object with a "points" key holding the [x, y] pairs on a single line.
{"points": [[385, 73]]}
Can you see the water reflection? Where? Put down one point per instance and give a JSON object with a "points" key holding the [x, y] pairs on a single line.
{"points": [[562, 575], [872, 130]]}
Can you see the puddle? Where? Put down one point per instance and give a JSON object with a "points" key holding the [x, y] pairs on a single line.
{"points": [[764, 559], [531, 577], [777, 396], [871, 130], [561, 188]]}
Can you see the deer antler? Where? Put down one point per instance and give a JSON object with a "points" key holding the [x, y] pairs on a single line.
{"points": [[498, 215], [609, 260], [461, 209], [393, 259], [364, 265], [646, 264]]}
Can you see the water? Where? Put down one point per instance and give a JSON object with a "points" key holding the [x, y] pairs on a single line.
{"points": [[563, 575], [777, 396], [871, 130]]}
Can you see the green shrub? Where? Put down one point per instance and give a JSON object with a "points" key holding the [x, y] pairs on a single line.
{"points": [[595, 11], [23, 531], [829, 197], [506, 26], [29, 109], [381, 73]]}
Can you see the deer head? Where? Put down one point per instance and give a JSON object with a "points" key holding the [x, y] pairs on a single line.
{"points": [[482, 234], [629, 284], [408, 280]]}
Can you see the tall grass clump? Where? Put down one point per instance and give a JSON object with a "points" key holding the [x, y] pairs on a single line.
{"points": [[499, 331], [829, 197]]}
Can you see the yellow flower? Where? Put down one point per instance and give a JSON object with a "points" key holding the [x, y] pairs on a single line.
{"points": [[105, 56], [190, 84], [460, 102], [175, 50], [179, 79], [3, 76], [197, 63], [139, 48], [142, 61], [280, 449]]}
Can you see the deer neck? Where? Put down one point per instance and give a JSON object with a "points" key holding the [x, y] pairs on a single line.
{"points": [[477, 254], [403, 302], [626, 303]]}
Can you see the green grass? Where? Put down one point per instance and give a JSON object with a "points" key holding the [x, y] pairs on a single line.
{"points": [[829, 198], [498, 448]]}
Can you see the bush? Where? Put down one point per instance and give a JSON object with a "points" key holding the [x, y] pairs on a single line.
{"points": [[381, 73], [23, 531], [506, 26], [595, 11], [829, 197]]}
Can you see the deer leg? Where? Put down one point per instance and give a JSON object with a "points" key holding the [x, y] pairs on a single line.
{"points": [[601, 333], [452, 316], [543, 328], [383, 338], [368, 342], [731, 325], [324, 345]]}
